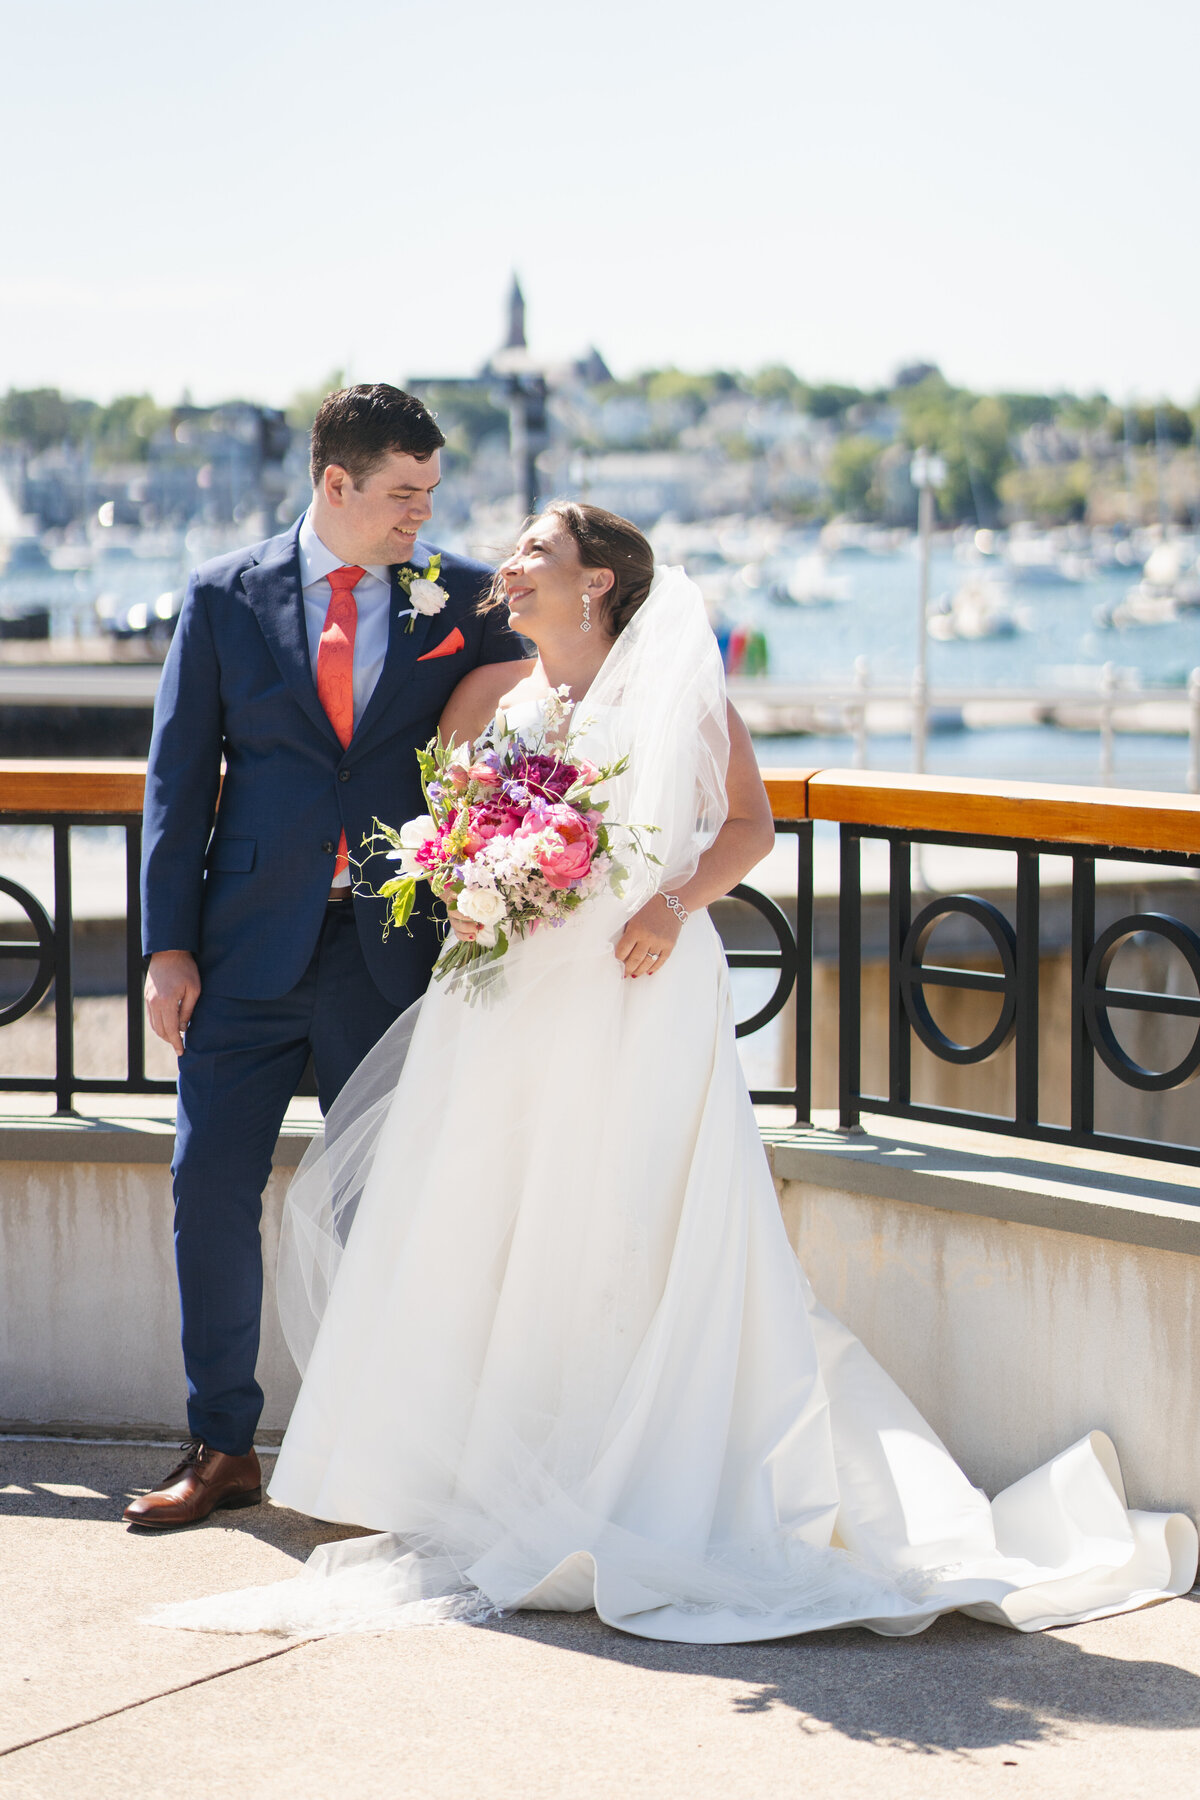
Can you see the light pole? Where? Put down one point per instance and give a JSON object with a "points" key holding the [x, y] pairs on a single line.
{"points": [[927, 471]]}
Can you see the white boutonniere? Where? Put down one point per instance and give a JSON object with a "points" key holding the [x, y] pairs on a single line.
{"points": [[426, 595]]}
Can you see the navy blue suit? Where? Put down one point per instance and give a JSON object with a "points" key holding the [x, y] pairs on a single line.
{"points": [[244, 885]]}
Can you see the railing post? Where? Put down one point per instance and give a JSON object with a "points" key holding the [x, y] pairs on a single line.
{"points": [[135, 1018], [64, 979], [803, 992], [862, 680], [1083, 936], [849, 979], [899, 922], [1108, 688], [920, 720], [1028, 978]]}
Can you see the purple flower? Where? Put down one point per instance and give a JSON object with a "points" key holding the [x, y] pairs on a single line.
{"points": [[547, 776]]}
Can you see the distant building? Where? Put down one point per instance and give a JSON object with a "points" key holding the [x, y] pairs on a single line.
{"points": [[913, 374], [642, 485], [516, 317], [221, 462]]}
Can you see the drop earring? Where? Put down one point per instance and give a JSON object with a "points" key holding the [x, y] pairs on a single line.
{"points": [[586, 624]]}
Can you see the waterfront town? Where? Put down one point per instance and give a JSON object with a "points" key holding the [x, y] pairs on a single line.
{"points": [[666, 443]]}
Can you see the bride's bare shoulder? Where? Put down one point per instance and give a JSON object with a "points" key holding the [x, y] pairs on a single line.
{"points": [[474, 701]]}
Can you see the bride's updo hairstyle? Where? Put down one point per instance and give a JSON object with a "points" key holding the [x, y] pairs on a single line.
{"points": [[604, 541]]}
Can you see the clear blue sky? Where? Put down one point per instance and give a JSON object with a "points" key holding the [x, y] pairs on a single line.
{"points": [[239, 197]]}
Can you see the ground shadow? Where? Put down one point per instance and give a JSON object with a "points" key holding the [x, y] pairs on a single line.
{"points": [[978, 1163], [50, 1479], [961, 1686]]}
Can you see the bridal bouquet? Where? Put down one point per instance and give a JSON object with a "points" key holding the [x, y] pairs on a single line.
{"points": [[514, 837]]}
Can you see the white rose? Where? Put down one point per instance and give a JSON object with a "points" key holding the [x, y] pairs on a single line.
{"points": [[416, 832], [407, 860], [427, 596], [484, 905]]}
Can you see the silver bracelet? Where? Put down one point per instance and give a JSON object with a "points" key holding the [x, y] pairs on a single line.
{"points": [[677, 907]]}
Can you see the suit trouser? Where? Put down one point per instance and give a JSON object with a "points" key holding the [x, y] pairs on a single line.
{"points": [[240, 1067]]}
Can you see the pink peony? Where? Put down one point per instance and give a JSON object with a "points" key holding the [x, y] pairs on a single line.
{"points": [[484, 774], [586, 771], [568, 856], [494, 820]]}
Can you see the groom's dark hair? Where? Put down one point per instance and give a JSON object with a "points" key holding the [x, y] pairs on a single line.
{"points": [[356, 427]]}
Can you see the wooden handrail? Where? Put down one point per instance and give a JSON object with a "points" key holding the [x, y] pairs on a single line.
{"points": [[72, 787], [1108, 817]]}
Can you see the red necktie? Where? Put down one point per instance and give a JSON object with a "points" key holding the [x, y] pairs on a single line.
{"points": [[335, 668]]}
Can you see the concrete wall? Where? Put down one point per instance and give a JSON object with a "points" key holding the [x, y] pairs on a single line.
{"points": [[1016, 1338], [1020, 1301], [89, 1310]]}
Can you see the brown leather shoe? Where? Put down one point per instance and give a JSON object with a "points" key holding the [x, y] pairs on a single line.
{"points": [[205, 1480]]}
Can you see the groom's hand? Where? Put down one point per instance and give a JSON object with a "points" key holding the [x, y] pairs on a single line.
{"points": [[172, 990]]}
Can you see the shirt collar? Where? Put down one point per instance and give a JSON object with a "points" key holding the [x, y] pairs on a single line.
{"points": [[317, 559]]}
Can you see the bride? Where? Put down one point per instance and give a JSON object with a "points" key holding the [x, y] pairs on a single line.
{"points": [[557, 1350]]}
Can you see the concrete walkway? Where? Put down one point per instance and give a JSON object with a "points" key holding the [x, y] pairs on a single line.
{"points": [[95, 1704]]}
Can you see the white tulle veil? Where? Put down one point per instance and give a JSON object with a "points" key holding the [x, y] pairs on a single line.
{"points": [[661, 693]]}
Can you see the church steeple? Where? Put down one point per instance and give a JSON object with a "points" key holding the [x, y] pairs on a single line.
{"points": [[516, 318]]}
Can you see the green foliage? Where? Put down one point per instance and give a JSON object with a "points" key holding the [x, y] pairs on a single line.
{"points": [[1032, 409], [632, 389], [851, 474], [467, 415], [401, 893], [302, 408], [1149, 424], [1077, 412], [777, 382], [119, 432], [40, 417], [1048, 493], [971, 435], [831, 400], [737, 447], [674, 385]]}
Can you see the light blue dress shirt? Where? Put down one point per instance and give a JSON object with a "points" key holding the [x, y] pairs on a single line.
{"points": [[373, 597]]}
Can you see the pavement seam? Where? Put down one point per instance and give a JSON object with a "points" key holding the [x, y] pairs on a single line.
{"points": [[148, 1699]]}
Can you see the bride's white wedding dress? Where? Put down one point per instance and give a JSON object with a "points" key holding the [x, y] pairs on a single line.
{"points": [[569, 1358]]}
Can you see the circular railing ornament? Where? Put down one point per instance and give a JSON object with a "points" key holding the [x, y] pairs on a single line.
{"points": [[40, 950], [1099, 999], [777, 919], [914, 976]]}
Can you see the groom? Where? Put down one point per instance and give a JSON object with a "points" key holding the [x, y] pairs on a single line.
{"points": [[308, 667]]}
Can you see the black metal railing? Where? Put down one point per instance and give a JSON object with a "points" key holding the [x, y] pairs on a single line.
{"points": [[1017, 947], [792, 961], [51, 950], [864, 808]]}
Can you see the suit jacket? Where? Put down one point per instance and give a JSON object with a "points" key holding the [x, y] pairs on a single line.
{"points": [[243, 885]]}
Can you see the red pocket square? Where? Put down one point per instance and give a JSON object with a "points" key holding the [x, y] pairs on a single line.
{"points": [[447, 647]]}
